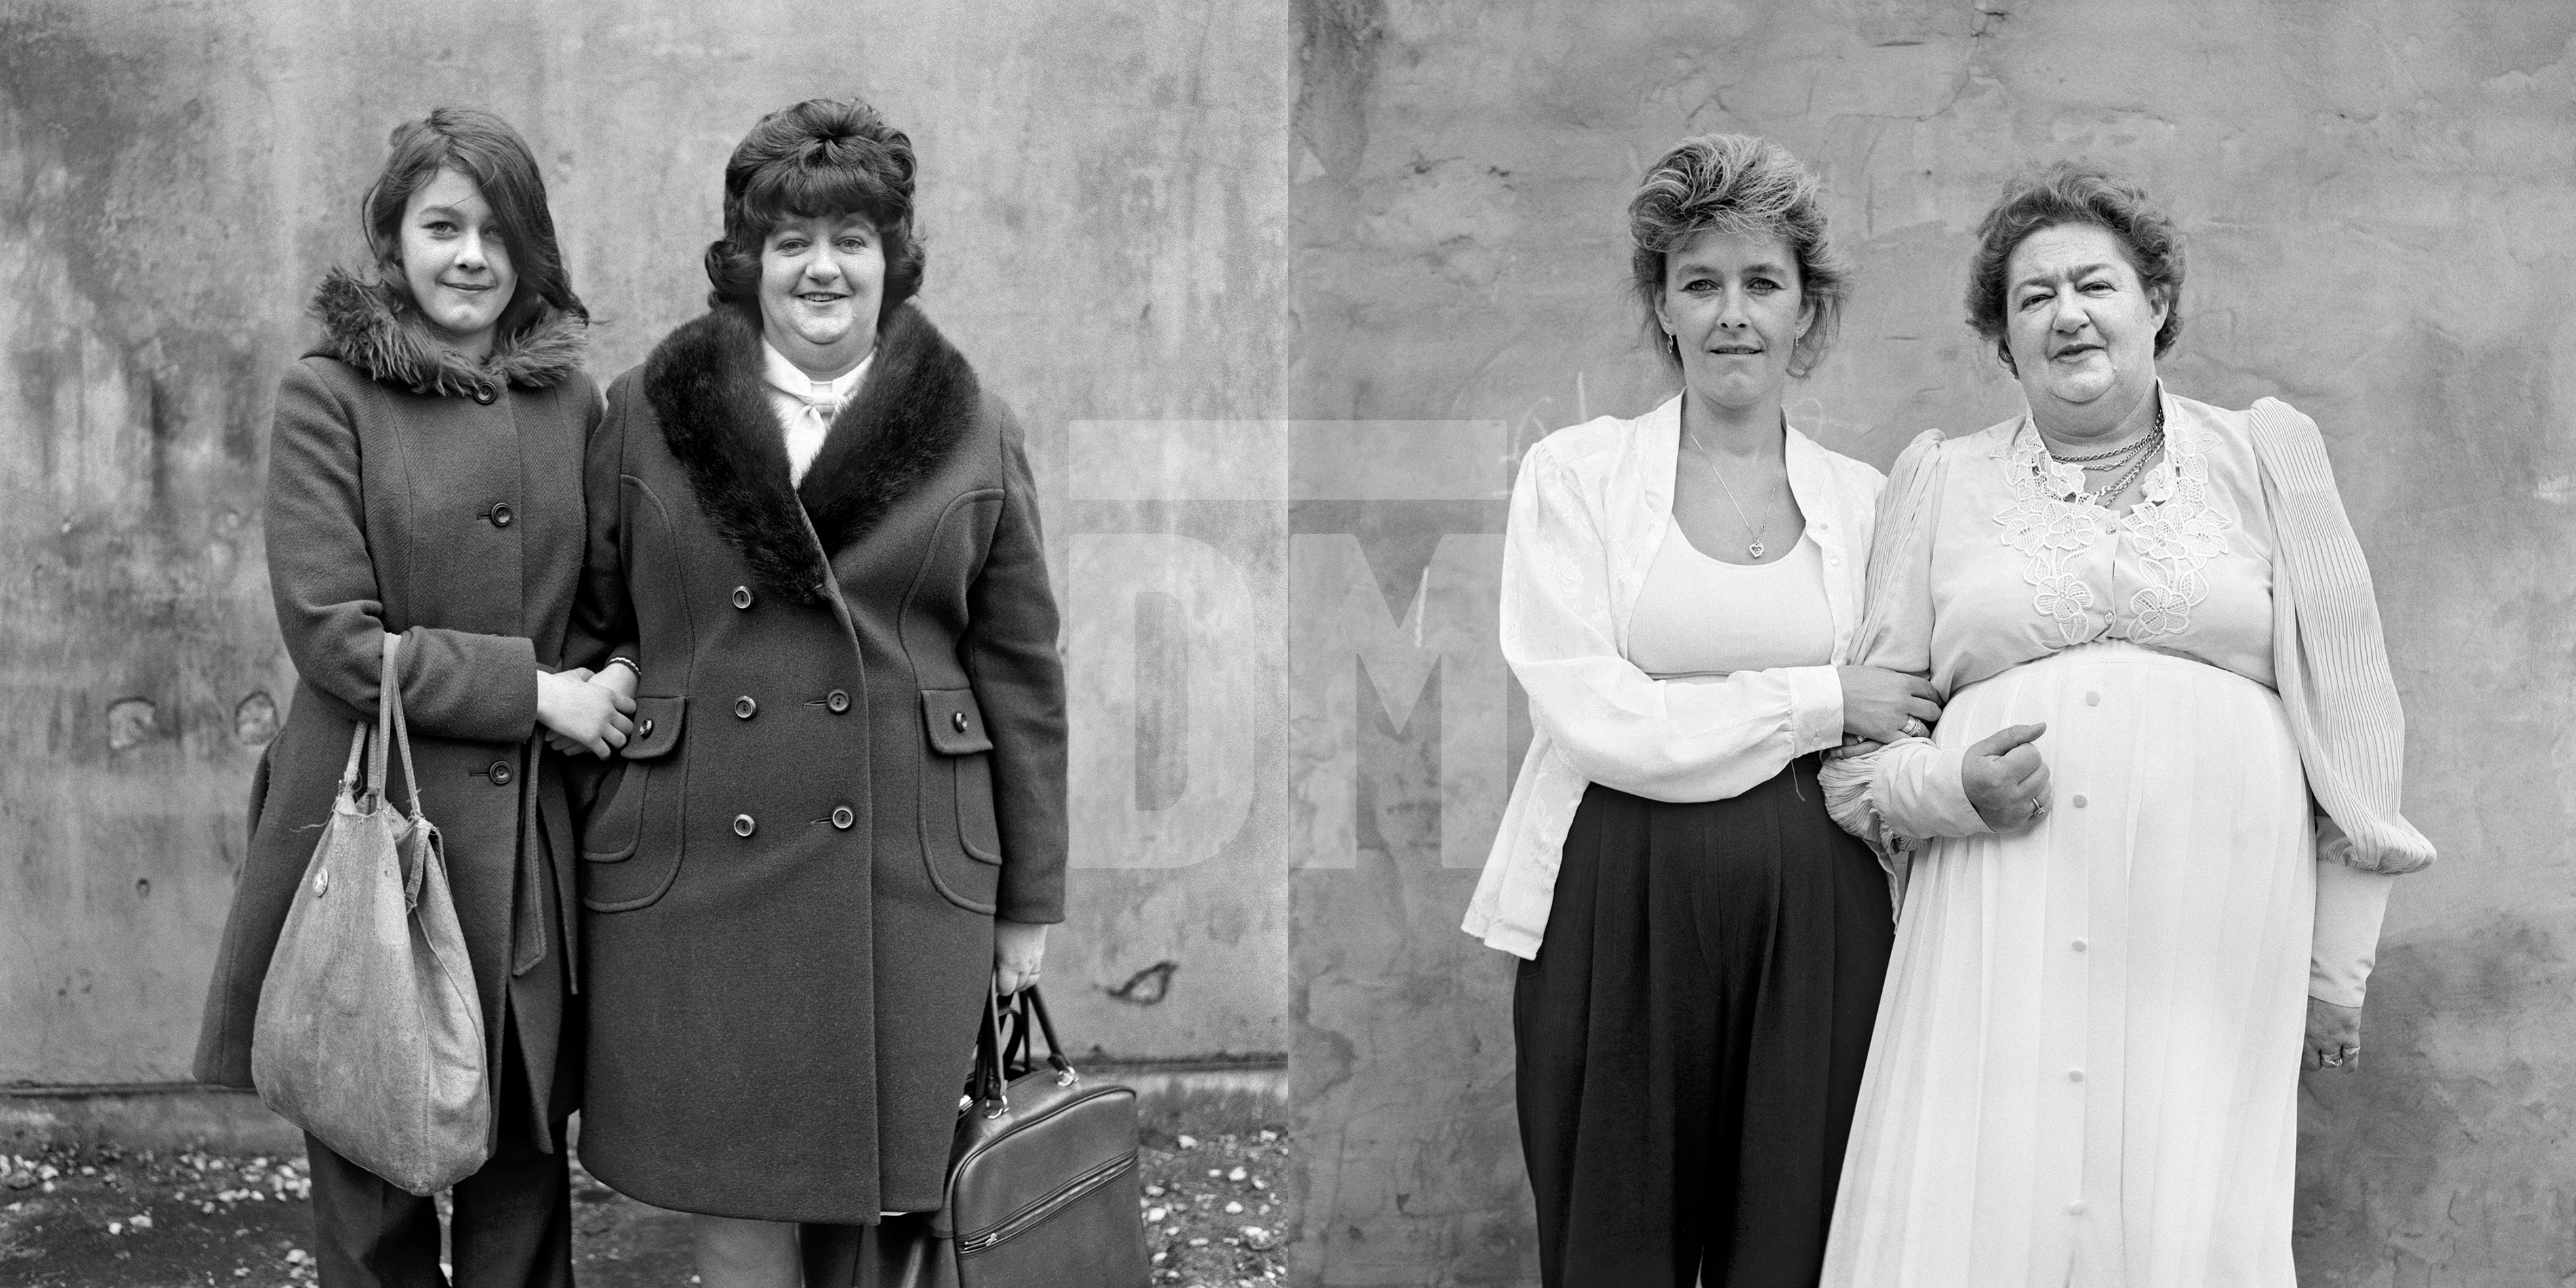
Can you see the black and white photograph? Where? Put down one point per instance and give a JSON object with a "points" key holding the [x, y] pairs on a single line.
{"points": [[1337, 643]]}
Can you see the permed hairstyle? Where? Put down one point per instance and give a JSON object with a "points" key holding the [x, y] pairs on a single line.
{"points": [[482, 147], [1743, 186], [2072, 194], [821, 158]]}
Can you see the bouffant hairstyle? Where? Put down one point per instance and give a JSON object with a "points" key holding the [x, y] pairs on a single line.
{"points": [[1742, 186], [2072, 194], [822, 157], [482, 147]]}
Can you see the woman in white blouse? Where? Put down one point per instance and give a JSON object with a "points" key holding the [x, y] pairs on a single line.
{"points": [[1703, 946], [2151, 840]]}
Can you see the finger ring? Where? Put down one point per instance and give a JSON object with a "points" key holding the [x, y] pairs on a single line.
{"points": [[2334, 1061], [2038, 807], [1913, 727]]}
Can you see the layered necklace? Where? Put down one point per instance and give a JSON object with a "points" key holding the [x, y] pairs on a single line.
{"points": [[2130, 460]]}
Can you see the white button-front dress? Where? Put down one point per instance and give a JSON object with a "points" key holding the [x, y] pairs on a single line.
{"points": [[2085, 1065]]}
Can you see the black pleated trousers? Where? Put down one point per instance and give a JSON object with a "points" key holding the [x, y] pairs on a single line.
{"points": [[512, 1225], [1691, 1036]]}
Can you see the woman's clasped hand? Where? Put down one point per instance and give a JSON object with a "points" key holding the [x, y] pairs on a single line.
{"points": [[583, 712]]}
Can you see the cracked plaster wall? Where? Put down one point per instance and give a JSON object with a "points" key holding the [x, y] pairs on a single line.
{"points": [[1104, 205], [2380, 200]]}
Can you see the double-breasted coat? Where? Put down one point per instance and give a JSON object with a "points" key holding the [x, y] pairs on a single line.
{"points": [[412, 494], [849, 760]]}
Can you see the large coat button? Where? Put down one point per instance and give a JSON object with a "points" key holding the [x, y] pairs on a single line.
{"points": [[742, 596], [843, 816], [484, 396], [744, 708], [500, 514], [500, 772], [742, 825], [957, 721], [838, 700]]}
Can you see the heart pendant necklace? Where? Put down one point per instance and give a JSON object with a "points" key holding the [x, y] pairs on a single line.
{"points": [[1709, 463]]}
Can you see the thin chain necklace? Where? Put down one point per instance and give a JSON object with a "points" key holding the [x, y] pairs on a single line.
{"points": [[2121, 452], [1709, 463]]}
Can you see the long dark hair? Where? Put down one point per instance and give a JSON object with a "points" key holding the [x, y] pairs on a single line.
{"points": [[819, 158], [484, 148]]}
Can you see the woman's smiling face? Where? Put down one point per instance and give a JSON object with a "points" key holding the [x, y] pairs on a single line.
{"points": [[455, 262], [1735, 308], [822, 278], [2079, 323]]}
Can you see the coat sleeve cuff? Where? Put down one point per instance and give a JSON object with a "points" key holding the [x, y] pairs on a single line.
{"points": [[2350, 906]]}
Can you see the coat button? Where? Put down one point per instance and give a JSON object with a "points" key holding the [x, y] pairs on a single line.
{"points": [[742, 596], [500, 514], [500, 772], [957, 721], [647, 727], [742, 825], [843, 816], [838, 700], [484, 396], [744, 708]]}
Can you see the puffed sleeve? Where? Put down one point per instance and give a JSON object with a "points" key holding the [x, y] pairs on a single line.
{"points": [[1908, 790], [1010, 656], [1616, 725], [455, 684]]}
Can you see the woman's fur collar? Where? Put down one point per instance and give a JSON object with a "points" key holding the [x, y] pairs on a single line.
{"points": [[704, 383], [367, 326]]}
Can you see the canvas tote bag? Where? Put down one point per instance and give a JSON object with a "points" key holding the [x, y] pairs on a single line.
{"points": [[370, 1032]]}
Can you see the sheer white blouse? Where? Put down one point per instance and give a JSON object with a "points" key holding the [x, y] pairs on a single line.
{"points": [[1589, 512]]}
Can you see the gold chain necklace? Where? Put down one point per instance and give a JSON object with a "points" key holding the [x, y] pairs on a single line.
{"points": [[1709, 463]]}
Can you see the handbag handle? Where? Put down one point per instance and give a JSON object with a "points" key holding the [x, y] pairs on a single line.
{"points": [[1026, 1004], [393, 737]]}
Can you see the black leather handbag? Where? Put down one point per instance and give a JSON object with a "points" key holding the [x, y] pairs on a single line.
{"points": [[1042, 1180]]}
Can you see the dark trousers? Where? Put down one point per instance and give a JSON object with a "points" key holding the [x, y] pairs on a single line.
{"points": [[1691, 1035], [512, 1226]]}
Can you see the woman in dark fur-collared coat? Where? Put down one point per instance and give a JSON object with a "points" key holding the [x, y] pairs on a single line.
{"points": [[425, 481], [814, 549]]}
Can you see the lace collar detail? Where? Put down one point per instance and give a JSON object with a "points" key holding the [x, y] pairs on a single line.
{"points": [[2175, 530]]}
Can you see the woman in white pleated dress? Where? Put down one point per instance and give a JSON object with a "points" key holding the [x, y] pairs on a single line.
{"points": [[2151, 840]]}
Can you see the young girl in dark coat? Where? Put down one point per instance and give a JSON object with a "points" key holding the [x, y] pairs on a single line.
{"points": [[425, 481], [815, 539]]}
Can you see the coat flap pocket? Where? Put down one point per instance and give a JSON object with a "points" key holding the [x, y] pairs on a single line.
{"points": [[955, 723], [657, 727]]}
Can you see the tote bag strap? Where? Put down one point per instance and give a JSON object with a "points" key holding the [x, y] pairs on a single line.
{"points": [[394, 736]]}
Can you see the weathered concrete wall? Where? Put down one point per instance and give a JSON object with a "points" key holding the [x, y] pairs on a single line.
{"points": [[1104, 193], [2381, 199]]}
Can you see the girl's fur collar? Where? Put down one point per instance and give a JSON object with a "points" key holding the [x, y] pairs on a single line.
{"points": [[367, 326], [704, 383]]}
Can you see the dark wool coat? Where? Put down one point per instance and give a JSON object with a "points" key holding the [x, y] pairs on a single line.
{"points": [[851, 757], [410, 493]]}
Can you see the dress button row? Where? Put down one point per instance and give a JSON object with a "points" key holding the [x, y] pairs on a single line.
{"points": [[745, 708], [743, 825]]}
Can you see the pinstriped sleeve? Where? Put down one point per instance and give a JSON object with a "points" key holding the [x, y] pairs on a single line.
{"points": [[2329, 656]]}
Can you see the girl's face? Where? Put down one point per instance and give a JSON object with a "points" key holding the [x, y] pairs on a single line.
{"points": [[455, 261]]}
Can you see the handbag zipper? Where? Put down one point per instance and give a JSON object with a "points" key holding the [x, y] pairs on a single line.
{"points": [[1046, 1207]]}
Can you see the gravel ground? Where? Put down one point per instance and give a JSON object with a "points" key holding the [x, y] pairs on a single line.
{"points": [[107, 1219]]}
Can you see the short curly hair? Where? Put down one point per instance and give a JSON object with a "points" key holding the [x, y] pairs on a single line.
{"points": [[819, 158], [1746, 186], [2073, 194]]}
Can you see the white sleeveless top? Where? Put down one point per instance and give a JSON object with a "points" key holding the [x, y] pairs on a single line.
{"points": [[1701, 618]]}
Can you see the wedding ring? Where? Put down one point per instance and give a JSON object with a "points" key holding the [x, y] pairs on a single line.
{"points": [[2038, 807], [2334, 1061], [1914, 727]]}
